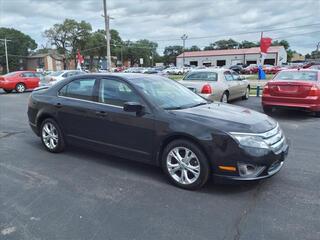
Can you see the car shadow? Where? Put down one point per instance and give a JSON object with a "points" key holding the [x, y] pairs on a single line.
{"points": [[292, 114], [153, 172]]}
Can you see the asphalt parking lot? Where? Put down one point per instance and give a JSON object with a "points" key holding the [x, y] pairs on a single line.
{"points": [[80, 194]]}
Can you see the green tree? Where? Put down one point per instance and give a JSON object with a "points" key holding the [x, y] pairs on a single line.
{"points": [[68, 37], [170, 54], [18, 47], [248, 44], [193, 48], [212, 46], [143, 48]]}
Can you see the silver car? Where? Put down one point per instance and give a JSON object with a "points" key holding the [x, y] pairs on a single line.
{"points": [[217, 84]]}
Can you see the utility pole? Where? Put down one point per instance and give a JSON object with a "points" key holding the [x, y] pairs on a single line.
{"points": [[6, 51], [184, 38], [107, 22]]}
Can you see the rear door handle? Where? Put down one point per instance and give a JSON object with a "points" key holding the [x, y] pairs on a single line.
{"points": [[101, 113]]}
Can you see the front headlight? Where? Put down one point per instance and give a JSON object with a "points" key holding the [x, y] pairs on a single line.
{"points": [[250, 141]]}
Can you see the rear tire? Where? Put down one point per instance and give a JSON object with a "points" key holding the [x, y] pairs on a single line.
{"points": [[7, 90], [20, 87], [247, 94], [225, 97], [51, 136], [267, 109], [185, 165]]}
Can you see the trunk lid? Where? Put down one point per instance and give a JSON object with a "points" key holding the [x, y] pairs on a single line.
{"points": [[196, 86], [290, 88]]}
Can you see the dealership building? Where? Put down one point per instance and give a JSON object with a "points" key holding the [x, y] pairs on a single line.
{"points": [[228, 57]]}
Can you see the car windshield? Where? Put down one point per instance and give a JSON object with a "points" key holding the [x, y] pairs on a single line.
{"points": [[168, 94], [201, 76], [297, 75], [56, 73]]}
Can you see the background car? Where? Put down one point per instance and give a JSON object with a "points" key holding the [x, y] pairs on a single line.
{"points": [[60, 75], [237, 68], [217, 84], [251, 69], [294, 88], [19, 81]]}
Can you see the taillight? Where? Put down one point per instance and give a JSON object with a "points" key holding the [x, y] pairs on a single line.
{"points": [[266, 89], [206, 89], [314, 91]]}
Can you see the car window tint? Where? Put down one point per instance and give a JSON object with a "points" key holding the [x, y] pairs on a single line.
{"points": [[228, 76], [80, 89], [28, 74], [236, 76], [116, 93], [202, 76], [297, 75]]}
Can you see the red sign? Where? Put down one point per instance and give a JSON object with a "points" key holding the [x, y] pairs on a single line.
{"points": [[265, 44], [80, 58]]}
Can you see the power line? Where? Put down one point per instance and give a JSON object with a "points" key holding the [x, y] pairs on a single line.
{"points": [[240, 33]]}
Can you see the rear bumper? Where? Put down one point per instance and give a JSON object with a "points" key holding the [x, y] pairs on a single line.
{"points": [[308, 103]]}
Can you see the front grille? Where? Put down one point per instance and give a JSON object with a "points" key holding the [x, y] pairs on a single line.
{"points": [[274, 138]]}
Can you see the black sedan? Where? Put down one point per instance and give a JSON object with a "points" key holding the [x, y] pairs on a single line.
{"points": [[156, 120]]}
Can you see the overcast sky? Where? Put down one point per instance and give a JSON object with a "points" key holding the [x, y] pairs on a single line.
{"points": [[164, 21]]}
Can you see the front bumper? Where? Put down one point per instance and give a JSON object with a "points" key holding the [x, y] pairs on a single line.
{"points": [[270, 165]]}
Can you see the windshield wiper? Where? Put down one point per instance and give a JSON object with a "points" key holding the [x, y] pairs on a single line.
{"points": [[199, 104], [186, 106], [172, 108]]}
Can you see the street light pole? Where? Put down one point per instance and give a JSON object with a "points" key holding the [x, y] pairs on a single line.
{"points": [[6, 52], [184, 38], [107, 26]]}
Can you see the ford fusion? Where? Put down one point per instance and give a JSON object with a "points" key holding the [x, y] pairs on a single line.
{"points": [[156, 120]]}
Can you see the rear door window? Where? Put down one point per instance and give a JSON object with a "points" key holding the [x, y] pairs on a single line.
{"points": [[79, 89], [28, 75]]}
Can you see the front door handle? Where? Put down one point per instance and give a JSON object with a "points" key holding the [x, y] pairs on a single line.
{"points": [[101, 113]]}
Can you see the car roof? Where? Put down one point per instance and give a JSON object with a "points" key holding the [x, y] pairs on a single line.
{"points": [[217, 70], [300, 69]]}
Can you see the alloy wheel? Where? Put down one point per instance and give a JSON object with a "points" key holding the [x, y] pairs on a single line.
{"points": [[50, 135], [20, 88], [183, 165]]}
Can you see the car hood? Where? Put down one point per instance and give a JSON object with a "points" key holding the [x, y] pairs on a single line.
{"points": [[228, 118]]}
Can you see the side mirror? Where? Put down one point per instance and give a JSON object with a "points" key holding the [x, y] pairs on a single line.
{"points": [[241, 78], [133, 107]]}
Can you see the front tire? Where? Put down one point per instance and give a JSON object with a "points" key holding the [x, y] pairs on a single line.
{"points": [[51, 136], [20, 87], [185, 164], [247, 94]]}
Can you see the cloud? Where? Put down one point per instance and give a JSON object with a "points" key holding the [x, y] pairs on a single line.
{"points": [[169, 19]]}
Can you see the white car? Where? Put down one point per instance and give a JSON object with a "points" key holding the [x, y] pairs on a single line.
{"points": [[60, 75]]}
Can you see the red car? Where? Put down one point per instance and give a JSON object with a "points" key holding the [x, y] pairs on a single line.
{"points": [[294, 88], [19, 81]]}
